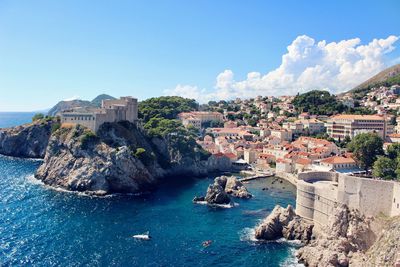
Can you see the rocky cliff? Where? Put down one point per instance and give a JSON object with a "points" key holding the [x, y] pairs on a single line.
{"points": [[347, 232], [342, 242], [28, 140], [385, 251], [120, 158]]}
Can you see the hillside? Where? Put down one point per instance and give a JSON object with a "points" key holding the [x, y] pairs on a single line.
{"points": [[63, 105], [386, 77], [97, 100]]}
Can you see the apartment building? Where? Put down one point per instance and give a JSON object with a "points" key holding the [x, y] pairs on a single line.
{"points": [[197, 118], [340, 126]]}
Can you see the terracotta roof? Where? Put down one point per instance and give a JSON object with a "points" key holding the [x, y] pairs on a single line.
{"points": [[303, 161], [357, 117], [338, 160]]}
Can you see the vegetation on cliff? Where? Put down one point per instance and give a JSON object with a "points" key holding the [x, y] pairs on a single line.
{"points": [[160, 121]]}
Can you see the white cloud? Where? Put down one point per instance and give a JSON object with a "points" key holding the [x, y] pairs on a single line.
{"points": [[307, 65], [75, 97]]}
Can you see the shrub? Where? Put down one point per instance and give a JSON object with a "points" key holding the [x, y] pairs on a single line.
{"points": [[87, 138], [38, 116], [55, 127]]}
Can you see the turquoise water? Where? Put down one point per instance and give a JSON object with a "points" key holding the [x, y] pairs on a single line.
{"points": [[43, 227]]}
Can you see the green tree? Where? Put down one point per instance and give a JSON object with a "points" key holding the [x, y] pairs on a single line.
{"points": [[167, 107], [38, 116], [384, 168], [366, 147], [318, 102], [393, 151]]}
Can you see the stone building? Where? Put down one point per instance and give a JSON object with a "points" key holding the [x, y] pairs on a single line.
{"points": [[197, 118], [123, 109]]}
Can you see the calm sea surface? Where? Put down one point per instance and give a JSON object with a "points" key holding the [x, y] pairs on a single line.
{"points": [[43, 227]]}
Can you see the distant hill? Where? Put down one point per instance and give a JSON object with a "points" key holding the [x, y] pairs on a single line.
{"points": [[97, 100], [64, 105], [387, 77]]}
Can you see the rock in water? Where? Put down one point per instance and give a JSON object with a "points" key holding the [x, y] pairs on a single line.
{"points": [[222, 188], [298, 229], [272, 226], [235, 188], [217, 195]]}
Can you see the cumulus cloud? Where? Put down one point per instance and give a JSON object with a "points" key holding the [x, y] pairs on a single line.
{"points": [[307, 65]]}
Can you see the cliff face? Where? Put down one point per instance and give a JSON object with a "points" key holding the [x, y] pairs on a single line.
{"points": [[27, 141], [386, 249], [78, 161], [120, 158]]}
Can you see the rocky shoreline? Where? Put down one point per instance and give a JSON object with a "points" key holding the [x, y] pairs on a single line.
{"points": [[120, 158], [345, 241]]}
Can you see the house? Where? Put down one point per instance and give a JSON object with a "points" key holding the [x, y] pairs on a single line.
{"points": [[338, 163], [197, 118]]}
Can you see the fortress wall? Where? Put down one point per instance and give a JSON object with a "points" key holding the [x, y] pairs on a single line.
{"points": [[325, 202], [396, 200], [305, 199], [319, 192], [326, 176], [369, 196], [89, 122]]}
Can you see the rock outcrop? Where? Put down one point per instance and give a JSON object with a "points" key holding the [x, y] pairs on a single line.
{"points": [[348, 232], [235, 188], [223, 187], [385, 251], [26, 141], [78, 161], [120, 158], [283, 222], [216, 195]]}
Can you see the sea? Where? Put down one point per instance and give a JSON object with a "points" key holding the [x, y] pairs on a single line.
{"points": [[40, 226]]}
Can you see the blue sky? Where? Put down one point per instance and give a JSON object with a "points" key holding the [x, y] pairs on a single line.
{"points": [[54, 50]]}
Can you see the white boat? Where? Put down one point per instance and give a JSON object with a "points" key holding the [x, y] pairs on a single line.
{"points": [[144, 236]]}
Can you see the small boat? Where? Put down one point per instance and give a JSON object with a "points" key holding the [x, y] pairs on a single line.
{"points": [[207, 243], [144, 236]]}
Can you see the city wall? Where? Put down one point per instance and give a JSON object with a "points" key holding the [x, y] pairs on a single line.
{"points": [[319, 192]]}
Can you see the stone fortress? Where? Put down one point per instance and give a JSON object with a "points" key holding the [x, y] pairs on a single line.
{"points": [[123, 109], [319, 192]]}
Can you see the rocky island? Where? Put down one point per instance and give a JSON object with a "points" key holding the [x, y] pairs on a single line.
{"points": [[220, 192]]}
